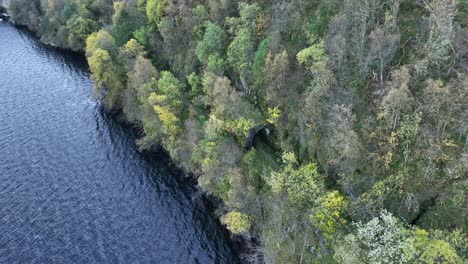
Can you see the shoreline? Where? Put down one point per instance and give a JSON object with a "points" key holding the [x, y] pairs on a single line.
{"points": [[240, 244]]}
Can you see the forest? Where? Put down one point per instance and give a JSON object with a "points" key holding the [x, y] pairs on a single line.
{"points": [[365, 159]]}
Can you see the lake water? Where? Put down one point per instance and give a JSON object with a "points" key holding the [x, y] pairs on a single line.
{"points": [[73, 187]]}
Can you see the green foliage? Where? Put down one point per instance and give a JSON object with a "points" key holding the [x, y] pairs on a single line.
{"points": [[212, 44], [194, 82], [98, 63], [202, 16], [216, 64], [254, 168], [316, 61], [129, 53], [278, 92], [431, 251], [319, 22], [382, 240], [101, 51], [259, 59], [79, 29], [141, 83], [167, 104], [240, 51], [142, 35], [248, 13], [386, 240], [124, 22], [240, 127], [106, 77], [101, 40], [169, 85], [309, 56], [155, 10], [330, 213], [303, 184]]}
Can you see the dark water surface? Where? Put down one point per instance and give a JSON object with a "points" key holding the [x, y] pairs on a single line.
{"points": [[73, 189]]}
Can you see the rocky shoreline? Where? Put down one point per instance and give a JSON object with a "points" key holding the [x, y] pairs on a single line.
{"points": [[243, 245]]}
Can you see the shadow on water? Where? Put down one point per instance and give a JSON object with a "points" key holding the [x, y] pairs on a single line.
{"points": [[69, 58]]}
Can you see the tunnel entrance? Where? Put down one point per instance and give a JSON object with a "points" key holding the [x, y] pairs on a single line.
{"points": [[262, 132]]}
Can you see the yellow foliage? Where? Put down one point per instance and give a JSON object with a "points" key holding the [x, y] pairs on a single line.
{"points": [[330, 213], [449, 143], [311, 55], [170, 122], [289, 158], [273, 115], [240, 127], [237, 222]]}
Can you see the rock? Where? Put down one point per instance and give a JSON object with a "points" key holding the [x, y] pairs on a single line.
{"points": [[4, 16]]}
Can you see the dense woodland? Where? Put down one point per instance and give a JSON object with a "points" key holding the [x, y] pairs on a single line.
{"points": [[366, 100]]}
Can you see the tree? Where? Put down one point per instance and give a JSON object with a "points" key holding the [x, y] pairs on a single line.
{"points": [[227, 103], [386, 240], [219, 156], [399, 98], [381, 240], [101, 40], [103, 10], [383, 40], [314, 100], [97, 63], [125, 21], [241, 50], [313, 55], [236, 222], [221, 9], [143, 35], [259, 59], [277, 81], [130, 52], [443, 103], [350, 44], [141, 82], [359, 17], [168, 104], [383, 45], [155, 10], [26, 12], [79, 30], [303, 184], [213, 42], [426, 249], [101, 52], [179, 39], [106, 77], [341, 143], [441, 35], [330, 213]]}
